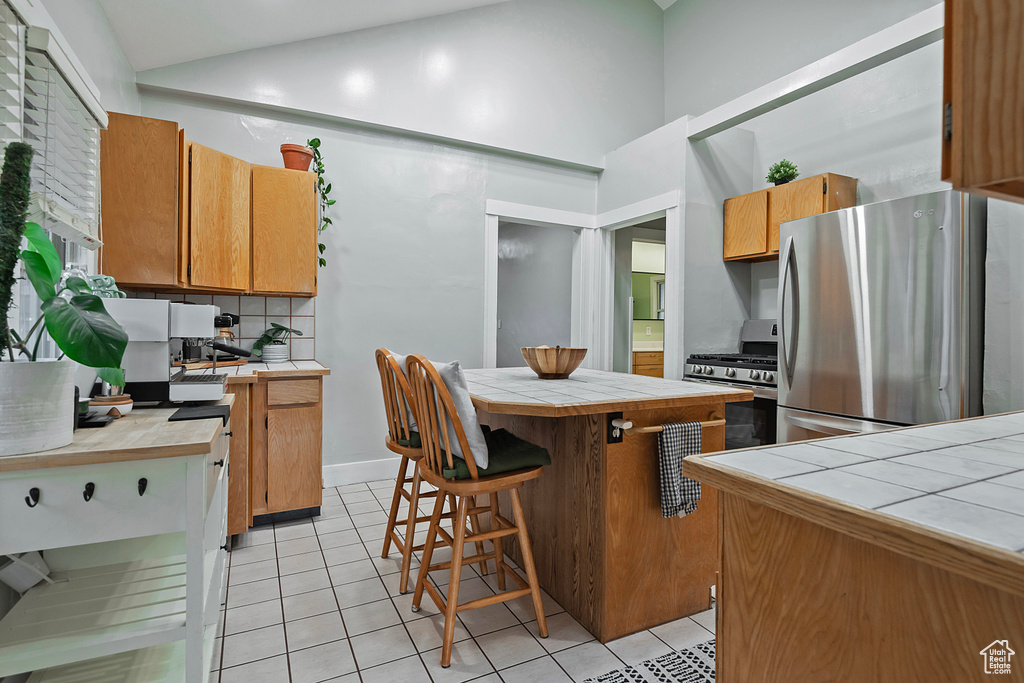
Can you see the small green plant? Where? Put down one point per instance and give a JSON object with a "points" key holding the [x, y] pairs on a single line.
{"points": [[782, 172], [276, 334], [324, 190], [75, 317]]}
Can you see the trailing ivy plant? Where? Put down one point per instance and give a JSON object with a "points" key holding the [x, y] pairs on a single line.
{"points": [[75, 317], [324, 190]]}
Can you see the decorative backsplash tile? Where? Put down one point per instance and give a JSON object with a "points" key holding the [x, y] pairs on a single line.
{"points": [[256, 313]]}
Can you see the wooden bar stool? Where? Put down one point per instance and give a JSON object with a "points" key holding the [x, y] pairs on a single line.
{"points": [[512, 461], [403, 440]]}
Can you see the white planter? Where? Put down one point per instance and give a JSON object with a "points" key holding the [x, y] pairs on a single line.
{"points": [[37, 410], [275, 353]]}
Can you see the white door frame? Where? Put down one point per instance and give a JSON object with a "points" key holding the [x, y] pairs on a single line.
{"points": [[497, 211], [593, 268]]}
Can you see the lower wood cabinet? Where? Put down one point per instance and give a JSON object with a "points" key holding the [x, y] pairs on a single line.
{"points": [[287, 460], [649, 363]]}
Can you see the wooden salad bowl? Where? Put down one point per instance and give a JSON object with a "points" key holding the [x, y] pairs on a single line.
{"points": [[553, 363]]}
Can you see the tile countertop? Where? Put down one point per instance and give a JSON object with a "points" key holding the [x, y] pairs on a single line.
{"points": [[520, 391], [250, 373], [942, 492]]}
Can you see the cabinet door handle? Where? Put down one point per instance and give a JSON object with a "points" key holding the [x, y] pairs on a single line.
{"points": [[219, 463], [229, 434], [90, 489], [224, 547], [32, 499], [143, 483]]}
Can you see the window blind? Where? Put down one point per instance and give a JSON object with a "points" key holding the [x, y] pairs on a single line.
{"points": [[12, 66]]}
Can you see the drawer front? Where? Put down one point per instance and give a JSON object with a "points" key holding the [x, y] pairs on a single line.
{"points": [[284, 392], [648, 357], [63, 517], [655, 371]]}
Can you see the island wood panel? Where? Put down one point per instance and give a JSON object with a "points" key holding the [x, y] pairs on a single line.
{"points": [[745, 219], [294, 468], [495, 407], [601, 547], [258, 452], [284, 231], [657, 569], [139, 194], [801, 602], [983, 87], [238, 462], [219, 223], [564, 510]]}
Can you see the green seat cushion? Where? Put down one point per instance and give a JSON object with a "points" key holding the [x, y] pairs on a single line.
{"points": [[412, 442], [507, 452]]}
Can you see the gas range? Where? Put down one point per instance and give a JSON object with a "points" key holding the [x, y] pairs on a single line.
{"points": [[756, 366], [737, 367]]}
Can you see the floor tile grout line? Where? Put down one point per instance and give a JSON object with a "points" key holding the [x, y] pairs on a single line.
{"points": [[280, 595], [337, 602]]}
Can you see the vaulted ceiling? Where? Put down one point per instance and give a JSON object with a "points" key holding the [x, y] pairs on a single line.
{"points": [[156, 33]]}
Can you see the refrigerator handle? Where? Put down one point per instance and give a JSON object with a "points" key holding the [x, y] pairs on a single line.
{"points": [[788, 355], [834, 425]]}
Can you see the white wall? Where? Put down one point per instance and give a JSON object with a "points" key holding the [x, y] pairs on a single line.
{"points": [[881, 127], [534, 289], [717, 50], [405, 255], [87, 30], [569, 79], [1004, 324]]}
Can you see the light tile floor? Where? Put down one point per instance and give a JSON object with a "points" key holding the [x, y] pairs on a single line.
{"points": [[312, 601]]}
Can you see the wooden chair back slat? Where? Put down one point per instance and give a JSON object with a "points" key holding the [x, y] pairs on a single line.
{"points": [[397, 395], [434, 412]]}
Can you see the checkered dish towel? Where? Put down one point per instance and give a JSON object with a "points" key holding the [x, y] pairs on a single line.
{"points": [[679, 495]]}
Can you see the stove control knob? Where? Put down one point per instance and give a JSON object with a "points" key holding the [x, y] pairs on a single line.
{"points": [[730, 372], [708, 370], [754, 374], [769, 377], [696, 369]]}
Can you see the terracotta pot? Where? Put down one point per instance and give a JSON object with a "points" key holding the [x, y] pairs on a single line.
{"points": [[297, 157]]}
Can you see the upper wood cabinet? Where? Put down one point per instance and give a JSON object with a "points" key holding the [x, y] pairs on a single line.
{"points": [[983, 97], [284, 231], [219, 232], [180, 215], [140, 163], [752, 220]]}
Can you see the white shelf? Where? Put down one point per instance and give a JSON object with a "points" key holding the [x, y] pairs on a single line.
{"points": [[96, 612], [158, 664]]}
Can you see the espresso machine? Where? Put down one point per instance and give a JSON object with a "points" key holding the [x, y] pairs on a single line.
{"points": [[155, 328]]}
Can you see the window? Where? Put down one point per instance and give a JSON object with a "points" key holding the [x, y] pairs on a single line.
{"points": [[658, 296]]}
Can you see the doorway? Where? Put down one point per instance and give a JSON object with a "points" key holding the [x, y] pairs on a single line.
{"points": [[534, 289], [640, 299]]}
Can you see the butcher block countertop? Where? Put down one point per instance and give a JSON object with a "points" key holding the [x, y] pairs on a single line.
{"points": [[948, 494], [518, 391], [250, 373], [143, 434]]}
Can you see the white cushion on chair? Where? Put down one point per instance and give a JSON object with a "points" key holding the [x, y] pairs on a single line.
{"points": [[455, 381]]}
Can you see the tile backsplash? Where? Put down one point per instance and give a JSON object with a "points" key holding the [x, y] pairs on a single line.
{"points": [[257, 312]]}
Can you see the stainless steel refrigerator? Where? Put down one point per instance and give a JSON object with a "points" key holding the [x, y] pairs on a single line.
{"points": [[881, 316]]}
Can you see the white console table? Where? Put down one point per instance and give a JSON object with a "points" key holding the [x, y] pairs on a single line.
{"points": [[118, 610]]}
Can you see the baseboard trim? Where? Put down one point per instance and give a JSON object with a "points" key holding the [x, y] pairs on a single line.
{"points": [[360, 472]]}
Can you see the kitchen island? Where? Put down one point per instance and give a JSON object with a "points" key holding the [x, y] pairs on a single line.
{"points": [[602, 549], [894, 556]]}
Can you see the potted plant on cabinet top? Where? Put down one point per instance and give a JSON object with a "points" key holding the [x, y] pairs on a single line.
{"points": [[296, 157], [37, 397], [272, 347], [782, 172]]}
